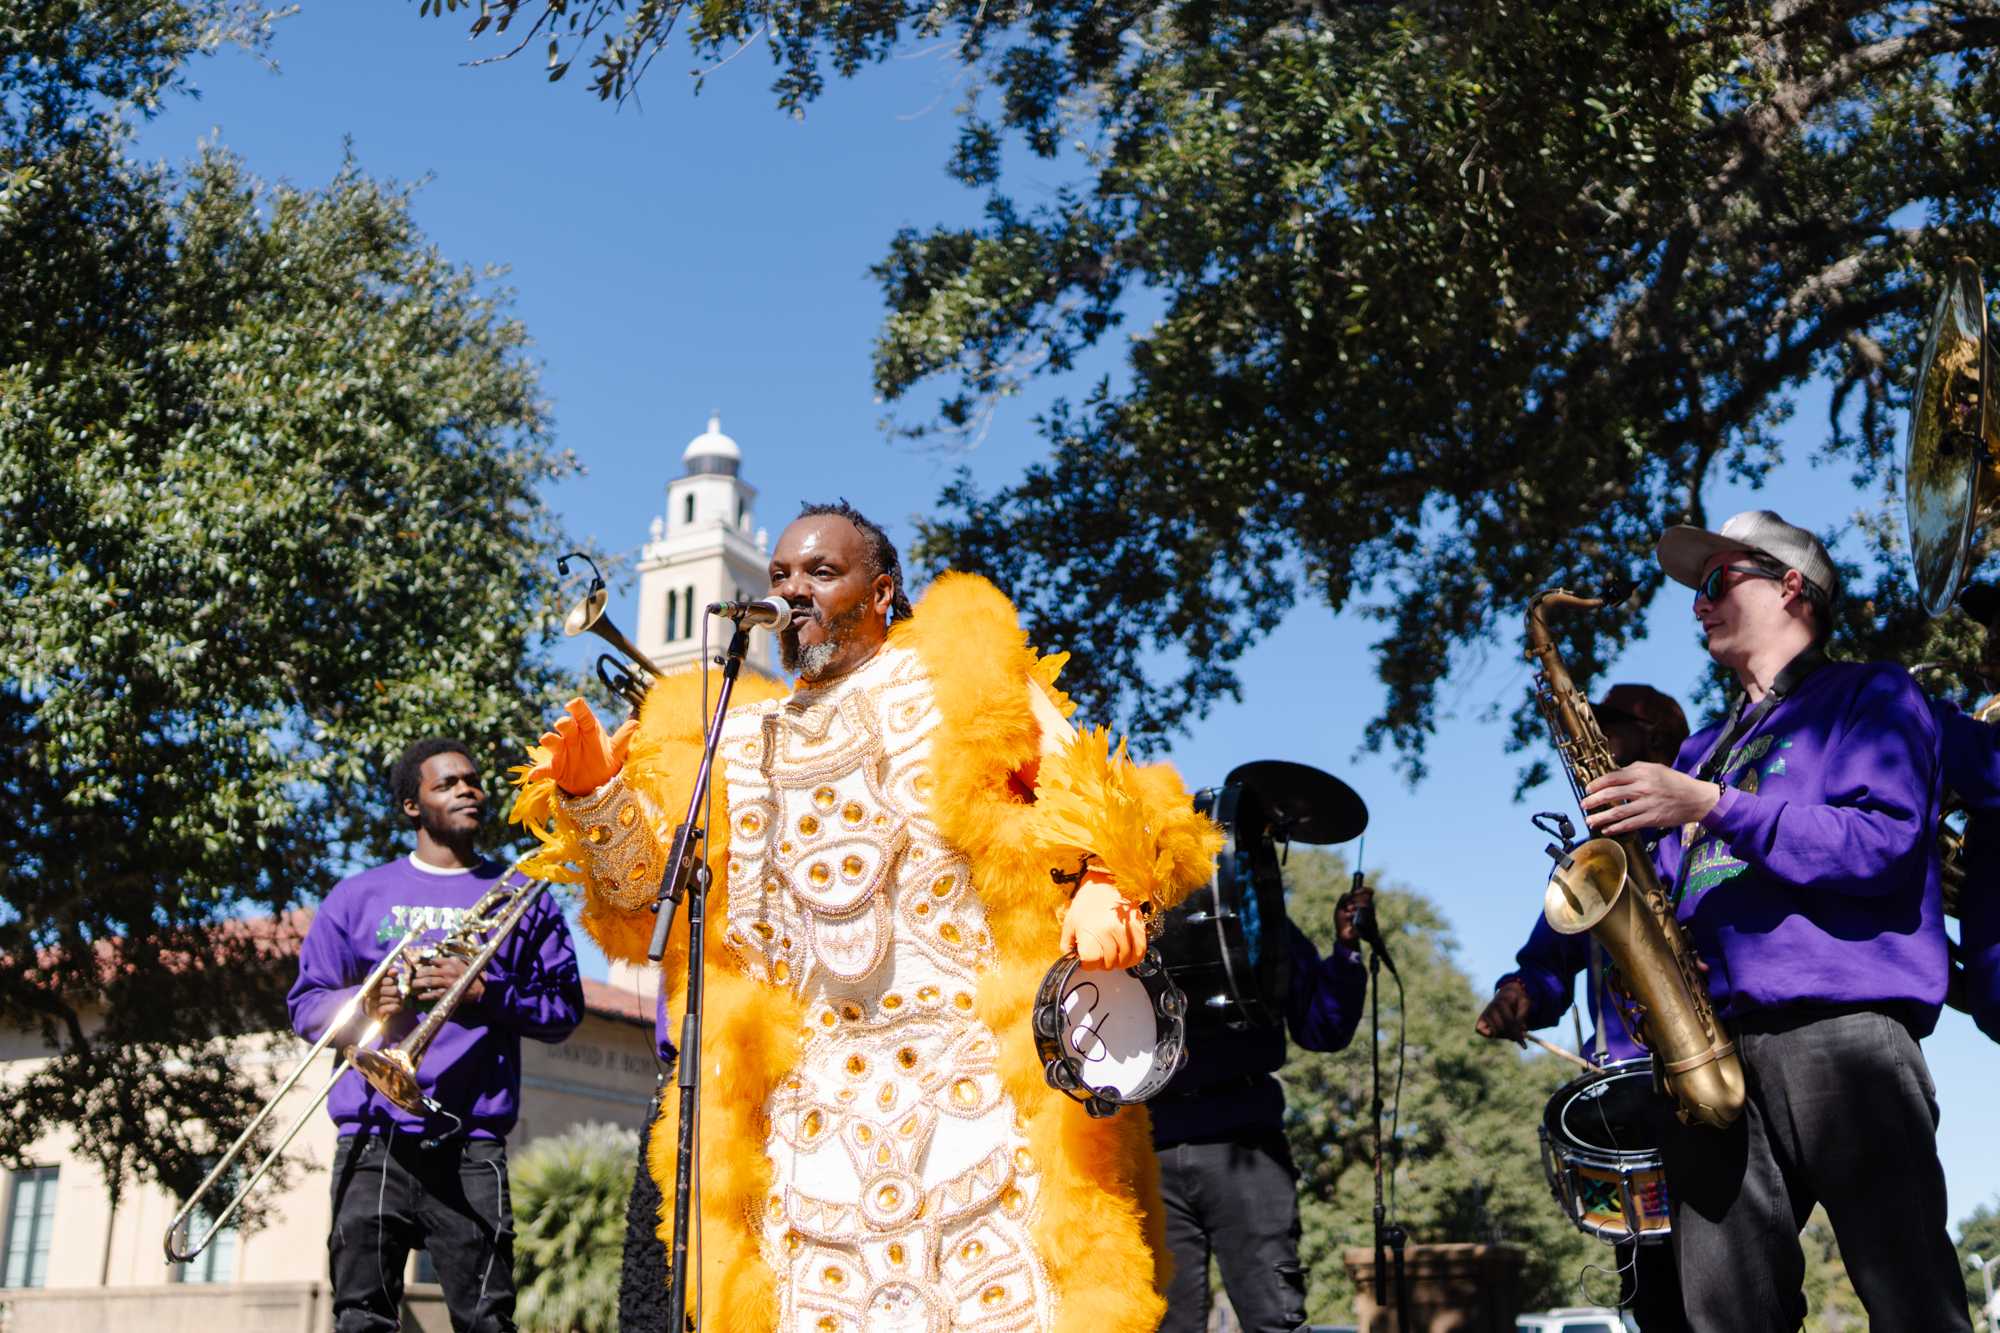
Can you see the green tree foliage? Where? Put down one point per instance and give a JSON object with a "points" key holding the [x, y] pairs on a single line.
{"points": [[1442, 303], [1978, 1235], [569, 1222], [269, 471], [1467, 1163]]}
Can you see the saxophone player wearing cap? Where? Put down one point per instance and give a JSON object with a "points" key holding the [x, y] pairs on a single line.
{"points": [[1798, 838]]}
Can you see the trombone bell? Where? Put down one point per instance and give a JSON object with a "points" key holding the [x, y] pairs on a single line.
{"points": [[393, 1074], [1951, 460]]}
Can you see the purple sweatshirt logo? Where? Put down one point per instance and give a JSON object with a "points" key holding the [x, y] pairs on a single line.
{"points": [[404, 916], [1711, 861]]}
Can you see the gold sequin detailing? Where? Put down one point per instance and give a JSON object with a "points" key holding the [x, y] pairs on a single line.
{"points": [[625, 857], [844, 891]]}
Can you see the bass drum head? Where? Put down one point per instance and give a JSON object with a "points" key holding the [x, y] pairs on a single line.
{"points": [[1225, 945], [1601, 1150]]}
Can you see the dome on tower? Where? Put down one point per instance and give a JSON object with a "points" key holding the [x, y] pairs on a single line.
{"points": [[712, 451]]}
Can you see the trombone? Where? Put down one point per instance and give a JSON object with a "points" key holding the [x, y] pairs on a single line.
{"points": [[393, 1072], [342, 1016]]}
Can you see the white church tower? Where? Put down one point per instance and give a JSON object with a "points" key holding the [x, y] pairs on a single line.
{"points": [[703, 550]]}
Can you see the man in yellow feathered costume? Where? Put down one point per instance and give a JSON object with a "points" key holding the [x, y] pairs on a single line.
{"points": [[880, 1150]]}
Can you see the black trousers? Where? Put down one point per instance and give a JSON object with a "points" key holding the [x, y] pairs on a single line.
{"points": [[1649, 1286], [1841, 1112], [390, 1197], [1237, 1200]]}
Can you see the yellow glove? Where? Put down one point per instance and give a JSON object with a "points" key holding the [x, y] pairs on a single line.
{"points": [[581, 758], [1105, 928]]}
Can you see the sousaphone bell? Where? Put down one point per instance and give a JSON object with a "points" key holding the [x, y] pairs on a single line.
{"points": [[1951, 461], [1951, 470]]}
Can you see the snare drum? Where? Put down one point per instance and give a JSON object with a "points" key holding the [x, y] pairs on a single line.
{"points": [[1600, 1148], [1109, 1038]]}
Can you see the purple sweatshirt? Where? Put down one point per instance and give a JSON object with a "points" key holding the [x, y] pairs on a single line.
{"points": [[1814, 881], [473, 1068], [1547, 968], [1971, 755], [1226, 1089]]}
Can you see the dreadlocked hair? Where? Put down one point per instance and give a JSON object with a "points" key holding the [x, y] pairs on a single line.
{"points": [[882, 557]]}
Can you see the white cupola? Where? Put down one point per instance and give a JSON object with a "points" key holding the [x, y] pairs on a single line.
{"points": [[705, 548]]}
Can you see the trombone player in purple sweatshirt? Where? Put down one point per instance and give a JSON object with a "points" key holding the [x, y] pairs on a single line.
{"points": [[437, 1178], [1798, 838]]}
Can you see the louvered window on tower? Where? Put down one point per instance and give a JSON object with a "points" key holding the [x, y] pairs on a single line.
{"points": [[673, 611], [687, 613]]}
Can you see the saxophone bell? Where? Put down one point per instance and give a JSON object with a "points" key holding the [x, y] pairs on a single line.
{"points": [[1585, 887]]}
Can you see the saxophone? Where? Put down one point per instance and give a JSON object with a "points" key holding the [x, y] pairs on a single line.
{"points": [[1607, 886]]}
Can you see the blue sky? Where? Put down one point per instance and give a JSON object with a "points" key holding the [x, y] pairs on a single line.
{"points": [[709, 253]]}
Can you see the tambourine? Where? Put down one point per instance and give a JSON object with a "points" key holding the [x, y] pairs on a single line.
{"points": [[1109, 1039]]}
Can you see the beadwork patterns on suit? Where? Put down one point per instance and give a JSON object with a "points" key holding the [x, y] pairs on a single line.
{"points": [[880, 1152]]}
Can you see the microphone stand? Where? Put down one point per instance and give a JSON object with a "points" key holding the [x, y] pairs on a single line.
{"points": [[688, 870], [1389, 1236]]}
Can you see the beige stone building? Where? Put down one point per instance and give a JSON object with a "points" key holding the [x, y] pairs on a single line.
{"points": [[72, 1263]]}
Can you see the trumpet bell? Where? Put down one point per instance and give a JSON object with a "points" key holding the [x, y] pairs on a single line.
{"points": [[587, 617], [1582, 893], [1951, 460], [586, 613]]}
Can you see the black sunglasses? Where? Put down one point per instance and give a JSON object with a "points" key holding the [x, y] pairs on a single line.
{"points": [[1711, 582]]}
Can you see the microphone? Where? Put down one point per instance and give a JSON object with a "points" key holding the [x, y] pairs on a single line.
{"points": [[773, 612], [1368, 929]]}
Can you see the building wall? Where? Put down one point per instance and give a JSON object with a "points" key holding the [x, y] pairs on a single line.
{"points": [[604, 1072]]}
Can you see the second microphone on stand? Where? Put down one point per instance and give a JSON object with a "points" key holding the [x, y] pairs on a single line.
{"points": [[774, 613]]}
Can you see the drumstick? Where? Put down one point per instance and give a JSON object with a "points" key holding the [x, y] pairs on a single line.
{"points": [[1568, 1055]]}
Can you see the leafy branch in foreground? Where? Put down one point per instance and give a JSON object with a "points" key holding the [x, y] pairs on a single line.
{"points": [[1443, 303], [270, 474]]}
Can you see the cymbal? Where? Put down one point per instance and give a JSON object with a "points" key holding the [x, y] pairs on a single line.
{"points": [[1305, 803]]}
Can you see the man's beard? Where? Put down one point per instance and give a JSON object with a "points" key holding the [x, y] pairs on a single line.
{"points": [[438, 826], [812, 662]]}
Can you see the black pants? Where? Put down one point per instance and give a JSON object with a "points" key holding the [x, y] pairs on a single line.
{"points": [[452, 1200], [1239, 1201], [1841, 1112], [1649, 1286]]}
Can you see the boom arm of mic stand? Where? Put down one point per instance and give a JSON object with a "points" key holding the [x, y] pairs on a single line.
{"points": [[681, 856]]}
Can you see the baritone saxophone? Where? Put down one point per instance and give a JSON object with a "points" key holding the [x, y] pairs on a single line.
{"points": [[1607, 886]]}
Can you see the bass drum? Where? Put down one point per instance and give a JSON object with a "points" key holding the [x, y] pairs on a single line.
{"points": [[1601, 1152], [1225, 944]]}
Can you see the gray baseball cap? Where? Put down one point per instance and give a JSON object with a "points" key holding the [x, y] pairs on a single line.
{"points": [[1683, 550]]}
